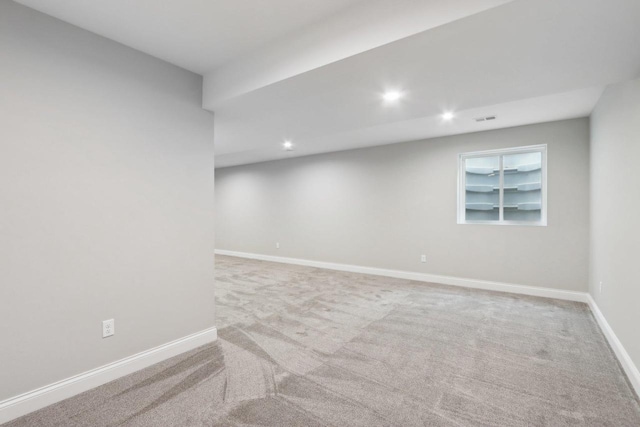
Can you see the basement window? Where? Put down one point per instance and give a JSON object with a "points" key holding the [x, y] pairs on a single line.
{"points": [[503, 187]]}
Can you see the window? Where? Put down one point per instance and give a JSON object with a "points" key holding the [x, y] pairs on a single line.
{"points": [[504, 187]]}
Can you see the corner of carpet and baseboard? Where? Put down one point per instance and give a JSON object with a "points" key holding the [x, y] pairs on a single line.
{"points": [[627, 364], [34, 400]]}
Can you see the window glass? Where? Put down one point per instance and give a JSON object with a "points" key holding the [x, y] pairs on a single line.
{"points": [[503, 186], [482, 188], [523, 187]]}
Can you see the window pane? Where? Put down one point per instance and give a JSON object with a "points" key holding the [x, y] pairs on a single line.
{"points": [[523, 187], [482, 195]]}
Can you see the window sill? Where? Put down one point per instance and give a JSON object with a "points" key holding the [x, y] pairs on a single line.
{"points": [[514, 223]]}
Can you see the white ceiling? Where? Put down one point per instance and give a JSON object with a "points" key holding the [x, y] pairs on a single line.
{"points": [[542, 109], [358, 28], [198, 35], [315, 73], [527, 61]]}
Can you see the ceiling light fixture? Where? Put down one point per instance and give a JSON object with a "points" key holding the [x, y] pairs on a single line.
{"points": [[287, 145], [448, 115], [392, 95]]}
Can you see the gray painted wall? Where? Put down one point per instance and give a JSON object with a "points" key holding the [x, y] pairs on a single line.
{"points": [[106, 186], [385, 206], [615, 204]]}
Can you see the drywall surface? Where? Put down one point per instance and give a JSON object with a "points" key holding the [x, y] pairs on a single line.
{"points": [[385, 206], [106, 192], [615, 203]]}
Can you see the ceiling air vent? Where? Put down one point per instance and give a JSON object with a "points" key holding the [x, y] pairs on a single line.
{"points": [[484, 119]]}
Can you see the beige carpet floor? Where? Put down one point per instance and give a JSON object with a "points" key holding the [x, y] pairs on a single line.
{"points": [[301, 346]]}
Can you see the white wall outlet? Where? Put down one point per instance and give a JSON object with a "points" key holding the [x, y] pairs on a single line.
{"points": [[108, 328], [600, 286], [277, 245], [423, 258]]}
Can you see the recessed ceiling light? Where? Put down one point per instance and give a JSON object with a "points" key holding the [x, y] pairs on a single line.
{"points": [[392, 95], [448, 115], [287, 145]]}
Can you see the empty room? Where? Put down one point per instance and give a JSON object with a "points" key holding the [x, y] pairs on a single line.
{"points": [[319, 213]]}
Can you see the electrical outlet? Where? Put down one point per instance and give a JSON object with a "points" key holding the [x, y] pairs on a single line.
{"points": [[277, 245], [423, 258], [108, 328]]}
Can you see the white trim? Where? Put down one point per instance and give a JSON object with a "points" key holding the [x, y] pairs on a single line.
{"points": [[625, 360], [421, 277], [36, 399], [501, 195]]}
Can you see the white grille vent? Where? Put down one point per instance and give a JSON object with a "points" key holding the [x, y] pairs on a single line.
{"points": [[485, 119]]}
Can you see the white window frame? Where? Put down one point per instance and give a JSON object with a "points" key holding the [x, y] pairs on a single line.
{"points": [[542, 148]]}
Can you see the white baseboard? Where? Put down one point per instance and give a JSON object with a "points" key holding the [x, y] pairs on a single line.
{"points": [[625, 360], [421, 277], [36, 399]]}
